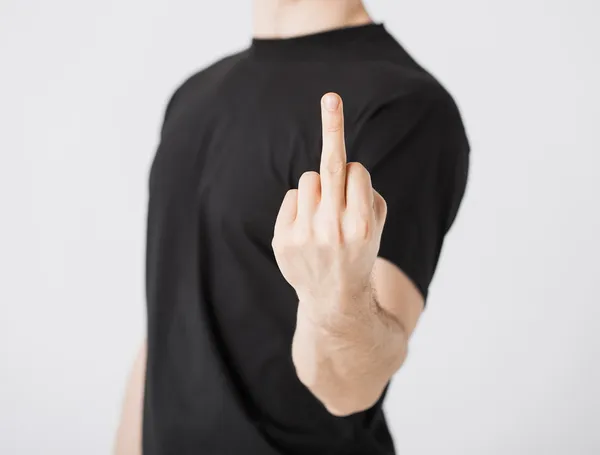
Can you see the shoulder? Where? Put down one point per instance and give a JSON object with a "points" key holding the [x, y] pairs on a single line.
{"points": [[417, 94], [204, 80], [403, 81], [406, 105], [395, 87], [207, 74]]}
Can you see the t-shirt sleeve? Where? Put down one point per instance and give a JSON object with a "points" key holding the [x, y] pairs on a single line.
{"points": [[417, 152]]}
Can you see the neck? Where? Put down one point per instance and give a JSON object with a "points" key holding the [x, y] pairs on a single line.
{"points": [[290, 18]]}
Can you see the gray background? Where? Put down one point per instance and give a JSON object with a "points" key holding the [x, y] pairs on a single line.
{"points": [[506, 360]]}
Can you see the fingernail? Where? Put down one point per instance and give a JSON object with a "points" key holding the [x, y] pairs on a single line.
{"points": [[331, 102]]}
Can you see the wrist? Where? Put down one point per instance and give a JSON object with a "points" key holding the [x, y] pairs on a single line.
{"points": [[338, 312]]}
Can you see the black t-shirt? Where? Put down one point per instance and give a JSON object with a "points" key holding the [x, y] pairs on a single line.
{"points": [[236, 136]]}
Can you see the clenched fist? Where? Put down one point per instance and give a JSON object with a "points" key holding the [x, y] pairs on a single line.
{"points": [[328, 231]]}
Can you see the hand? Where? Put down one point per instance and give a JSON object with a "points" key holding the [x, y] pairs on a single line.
{"points": [[328, 231]]}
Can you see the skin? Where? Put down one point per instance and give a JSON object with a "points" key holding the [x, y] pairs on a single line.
{"points": [[354, 319], [356, 311], [128, 440], [289, 18]]}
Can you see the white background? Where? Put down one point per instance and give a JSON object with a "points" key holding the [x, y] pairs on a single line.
{"points": [[506, 359]]}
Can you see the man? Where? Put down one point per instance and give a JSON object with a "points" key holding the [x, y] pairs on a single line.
{"points": [[299, 199]]}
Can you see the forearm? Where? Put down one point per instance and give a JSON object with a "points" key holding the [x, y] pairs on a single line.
{"points": [[347, 356], [128, 439]]}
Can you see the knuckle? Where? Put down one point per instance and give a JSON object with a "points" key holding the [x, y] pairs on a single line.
{"points": [[283, 242], [333, 238], [307, 178], [357, 170], [355, 166], [361, 229], [333, 127], [381, 202], [276, 245], [277, 240], [289, 197], [328, 230], [335, 166], [358, 230], [366, 208], [302, 237]]}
